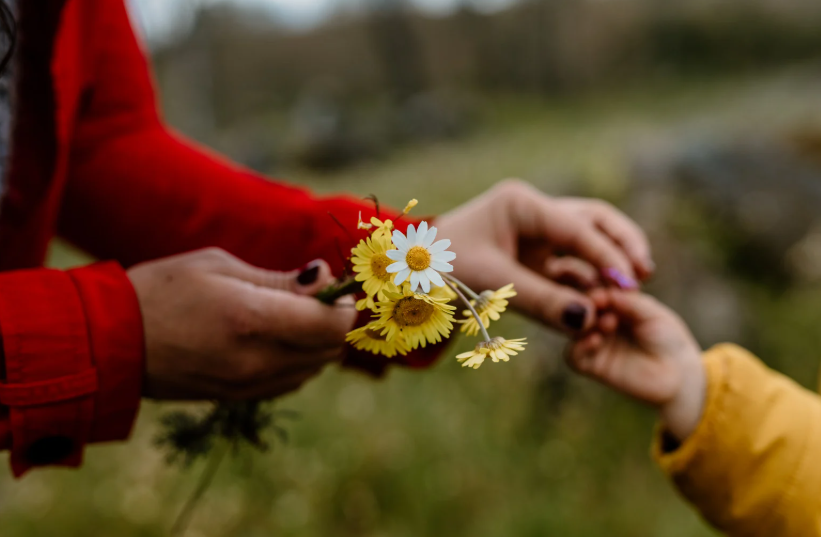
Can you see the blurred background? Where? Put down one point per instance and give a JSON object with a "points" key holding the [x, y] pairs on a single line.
{"points": [[700, 118]]}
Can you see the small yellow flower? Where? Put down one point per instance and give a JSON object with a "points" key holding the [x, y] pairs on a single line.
{"points": [[411, 204], [383, 229], [498, 349], [440, 292], [369, 262], [368, 338], [362, 225], [489, 305], [419, 319]]}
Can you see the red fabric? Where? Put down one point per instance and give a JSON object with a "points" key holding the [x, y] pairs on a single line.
{"points": [[94, 162]]}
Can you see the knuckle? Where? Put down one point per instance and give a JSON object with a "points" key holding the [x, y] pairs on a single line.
{"points": [[242, 320], [244, 373], [513, 187]]}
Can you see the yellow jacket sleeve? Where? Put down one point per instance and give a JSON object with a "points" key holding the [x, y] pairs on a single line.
{"points": [[753, 465]]}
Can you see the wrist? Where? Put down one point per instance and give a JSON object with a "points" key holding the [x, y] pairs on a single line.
{"points": [[682, 414]]}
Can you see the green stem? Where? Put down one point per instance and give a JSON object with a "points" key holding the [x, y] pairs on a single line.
{"points": [[458, 282], [470, 307], [183, 519], [335, 291]]}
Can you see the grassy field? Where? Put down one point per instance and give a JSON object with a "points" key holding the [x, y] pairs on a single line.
{"points": [[522, 449]]}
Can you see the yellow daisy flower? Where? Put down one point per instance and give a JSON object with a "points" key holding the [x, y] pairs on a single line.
{"points": [[489, 305], [368, 338], [498, 349], [419, 319], [383, 228], [369, 262]]}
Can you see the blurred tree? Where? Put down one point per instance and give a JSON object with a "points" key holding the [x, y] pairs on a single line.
{"points": [[397, 48]]}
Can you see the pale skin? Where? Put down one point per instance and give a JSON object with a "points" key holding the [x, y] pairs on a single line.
{"points": [[216, 327], [642, 349]]}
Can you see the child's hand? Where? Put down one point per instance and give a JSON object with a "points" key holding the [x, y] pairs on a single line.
{"points": [[644, 350]]}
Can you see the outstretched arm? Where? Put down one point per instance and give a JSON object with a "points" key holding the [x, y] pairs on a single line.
{"points": [[739, 440]]}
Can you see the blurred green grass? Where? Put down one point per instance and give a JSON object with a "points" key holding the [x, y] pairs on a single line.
{"points": [[521, 449]]}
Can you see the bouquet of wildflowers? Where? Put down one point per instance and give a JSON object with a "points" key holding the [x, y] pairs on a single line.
{"points": [[408, 287]]}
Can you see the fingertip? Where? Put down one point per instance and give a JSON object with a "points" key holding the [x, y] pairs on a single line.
{"points": [[578, 316], [620, 279], [313, 277], [608, 323], [599, 297]]}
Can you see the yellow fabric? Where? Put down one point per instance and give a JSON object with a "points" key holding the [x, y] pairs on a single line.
{"points": [[753, 465]]}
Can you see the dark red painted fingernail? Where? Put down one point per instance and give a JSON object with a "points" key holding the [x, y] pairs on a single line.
{"points": [[309, 273], [615, 276], [574, 316]]}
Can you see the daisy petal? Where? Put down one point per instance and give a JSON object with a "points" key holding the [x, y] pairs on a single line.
{"points": [[441, 267], [396, 255], [434, 277], [401, 276], [421, 233], [440, 246], [411, 234], [444, 256], [399, 266], [430, 237], [424, 281], [414, 280], [400, 241]]}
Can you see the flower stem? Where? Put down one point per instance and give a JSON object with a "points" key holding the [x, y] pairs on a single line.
{"points": [[181, 523], [458, 282], [330, 294], [470, 307]]}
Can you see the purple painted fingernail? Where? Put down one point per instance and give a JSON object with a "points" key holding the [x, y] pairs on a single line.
{"points": [[615, 276], [574, 316], [309, 273]]}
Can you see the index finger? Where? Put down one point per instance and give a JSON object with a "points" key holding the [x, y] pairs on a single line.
{"points": [[627, 234], [297, 320], [566, 229]]}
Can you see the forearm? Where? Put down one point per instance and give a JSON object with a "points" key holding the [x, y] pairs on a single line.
{"points": [[749, 467], [150, 193]]}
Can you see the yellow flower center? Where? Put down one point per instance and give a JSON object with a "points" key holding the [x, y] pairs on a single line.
{"points": [[379, 264], [374, 334], [410, 311], [418, 258]]}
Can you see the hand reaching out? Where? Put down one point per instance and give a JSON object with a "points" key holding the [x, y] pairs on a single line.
{"points": [[641, 348], [515, 233]]}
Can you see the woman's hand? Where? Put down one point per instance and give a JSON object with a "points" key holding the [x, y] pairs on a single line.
{"points": [[515, 233], [642, 349], [218, 328]]}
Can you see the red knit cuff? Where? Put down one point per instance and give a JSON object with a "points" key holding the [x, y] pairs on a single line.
{"points": [[73, 355], [117, 347]]}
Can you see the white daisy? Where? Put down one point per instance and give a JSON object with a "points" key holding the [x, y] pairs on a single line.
{"points": [[419, 258]]}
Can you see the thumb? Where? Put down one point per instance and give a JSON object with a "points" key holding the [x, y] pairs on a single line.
{"points": [[308, 280], [556, 305]]}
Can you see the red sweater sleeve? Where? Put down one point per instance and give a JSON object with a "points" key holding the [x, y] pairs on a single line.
{"points": [[73, 352], [137, 191]]}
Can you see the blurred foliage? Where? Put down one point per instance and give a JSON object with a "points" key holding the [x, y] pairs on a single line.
{"points": [[360, 86]]}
